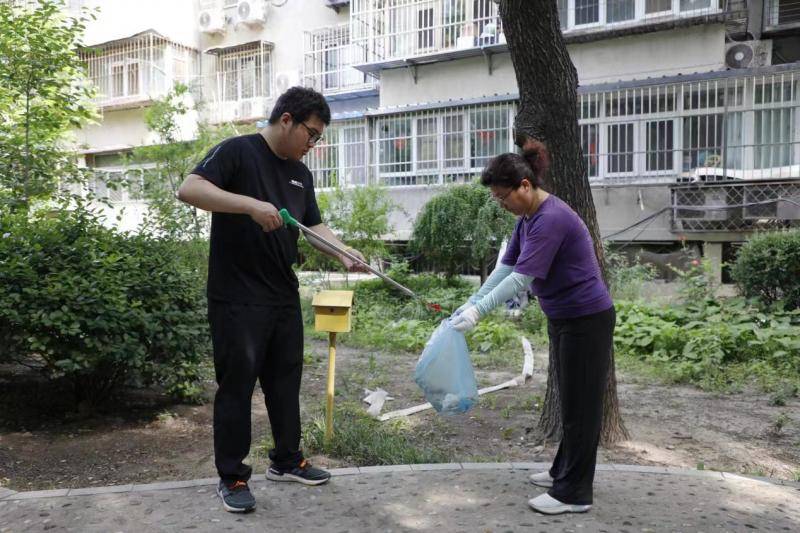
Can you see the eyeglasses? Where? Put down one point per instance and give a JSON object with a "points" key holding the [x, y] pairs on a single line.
{"points": [[313, 135], [502, 199]]}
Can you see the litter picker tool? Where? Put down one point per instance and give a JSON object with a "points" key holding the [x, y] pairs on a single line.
{"points": [[289, 220]]}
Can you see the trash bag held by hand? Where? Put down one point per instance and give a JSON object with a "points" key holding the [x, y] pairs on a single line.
{"points": [[444, 371]]}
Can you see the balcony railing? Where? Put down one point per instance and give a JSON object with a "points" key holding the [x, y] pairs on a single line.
{"points": [[406, 29], [781, 14], [729, 128], [329, 60], [401, 29], [744, 127], [134, 71]]}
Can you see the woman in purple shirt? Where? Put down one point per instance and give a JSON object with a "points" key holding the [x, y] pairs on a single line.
{"points": [[551, 251]]}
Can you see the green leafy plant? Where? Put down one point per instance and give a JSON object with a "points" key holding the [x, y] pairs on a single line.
{"points": [[359, 216]]}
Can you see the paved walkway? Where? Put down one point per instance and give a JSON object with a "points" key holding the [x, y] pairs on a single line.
{"points": [[466, 497]]}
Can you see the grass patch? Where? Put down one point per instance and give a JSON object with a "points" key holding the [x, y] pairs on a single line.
{"points": [[360, 440]]}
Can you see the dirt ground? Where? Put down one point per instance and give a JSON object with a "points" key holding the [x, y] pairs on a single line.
{"points": [[142, 437]]}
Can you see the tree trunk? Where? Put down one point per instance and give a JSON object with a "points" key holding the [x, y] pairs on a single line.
{"points": [[548, 82]]}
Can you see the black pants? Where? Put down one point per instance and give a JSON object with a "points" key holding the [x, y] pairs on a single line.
{"points": [[583, 346], [264, 342]]}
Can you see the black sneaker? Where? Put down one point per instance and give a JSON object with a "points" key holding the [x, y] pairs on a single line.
{"points": [[236, 497], [303, 473]]}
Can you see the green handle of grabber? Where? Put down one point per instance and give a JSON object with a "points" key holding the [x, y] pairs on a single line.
{"points": [[287, 218]]}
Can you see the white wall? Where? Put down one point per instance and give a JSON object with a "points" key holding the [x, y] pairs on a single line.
{"points": [[683, 51], [285, 27], [126, 128], [117, 19]]}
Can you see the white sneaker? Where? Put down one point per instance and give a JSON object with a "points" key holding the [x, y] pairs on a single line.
{"points": [[544, 503], [542, 479]]}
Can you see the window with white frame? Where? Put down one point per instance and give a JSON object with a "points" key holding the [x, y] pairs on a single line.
{"points": [[340, 158], [590, 145], [583, 14], [660, 145], [329, 60], [243, 73], [620, 141], [453, 141], [394, 146], [124, 78], [702, 141], [440, 146], [489, 134], [775, 137]]}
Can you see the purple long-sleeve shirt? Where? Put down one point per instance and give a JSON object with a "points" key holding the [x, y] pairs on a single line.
{"points": [[555, 248]]}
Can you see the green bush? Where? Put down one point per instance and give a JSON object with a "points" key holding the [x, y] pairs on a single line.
{"points": [[768, 268], [702, 343], [461, 227], [99, 308]]}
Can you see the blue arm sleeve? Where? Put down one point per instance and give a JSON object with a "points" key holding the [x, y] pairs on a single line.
{"points": [[506, 289], [500, 273]]}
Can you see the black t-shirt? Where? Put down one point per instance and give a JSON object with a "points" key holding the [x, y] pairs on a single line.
{"points": [[246, 264]]}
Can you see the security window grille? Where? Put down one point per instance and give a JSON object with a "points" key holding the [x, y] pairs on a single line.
{"points": [[138, 69], [243, 74], [329, 59], [660, 145], [620, 148]]}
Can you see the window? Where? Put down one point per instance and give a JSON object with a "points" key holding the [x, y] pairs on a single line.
{"points": [[488, 135], [125, 78], [426, 144], [587, 12], [425, 27], [660, 144], [652, 7], [243, 74], [691, 5], [394, 141], [453, 140], [774, 137], [590, 147], [702, 141], [354, 154], [620, 10], [620, 148], [563, 13]]}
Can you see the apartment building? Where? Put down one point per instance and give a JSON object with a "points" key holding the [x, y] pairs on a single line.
{"points": [[688, 109]]}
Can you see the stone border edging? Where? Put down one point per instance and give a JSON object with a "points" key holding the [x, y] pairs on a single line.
{"points": [[8, 494]]}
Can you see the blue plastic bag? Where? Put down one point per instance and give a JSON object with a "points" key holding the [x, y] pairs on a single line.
{"points": [[444, 371]]}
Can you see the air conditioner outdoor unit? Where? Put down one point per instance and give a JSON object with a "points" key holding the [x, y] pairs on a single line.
{"points": [[251, 12], [286, 79], [748, 54], [211, 21]]}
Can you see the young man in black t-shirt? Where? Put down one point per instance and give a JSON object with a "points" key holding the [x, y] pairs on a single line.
{"points": [[253, 300]]}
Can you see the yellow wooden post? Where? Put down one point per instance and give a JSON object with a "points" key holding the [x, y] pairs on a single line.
{"points": [[330, 390], [332, 313]]}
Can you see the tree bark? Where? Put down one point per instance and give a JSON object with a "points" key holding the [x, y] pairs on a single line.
{"points": [[548, 83]]}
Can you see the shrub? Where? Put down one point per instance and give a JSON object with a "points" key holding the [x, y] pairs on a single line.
{"points": [[461, 227], [768, 268], [699, 343], [85, 303]]}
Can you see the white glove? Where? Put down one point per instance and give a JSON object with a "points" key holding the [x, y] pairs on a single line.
{"points": [[461, 309], [466, 320]]}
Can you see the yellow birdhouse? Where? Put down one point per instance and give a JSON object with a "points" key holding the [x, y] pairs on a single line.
{"points": [[332, 311]]}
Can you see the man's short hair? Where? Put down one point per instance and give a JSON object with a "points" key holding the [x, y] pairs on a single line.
{"points": [[301, 103]]}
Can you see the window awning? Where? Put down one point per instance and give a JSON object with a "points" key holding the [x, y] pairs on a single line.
{"points": [[220, 50]]}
